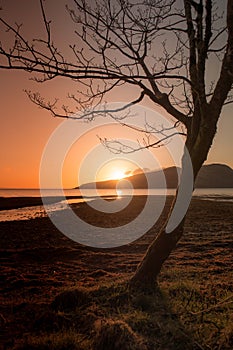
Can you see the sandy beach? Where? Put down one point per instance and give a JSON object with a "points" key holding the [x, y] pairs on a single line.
{"points": [[38, 262]]}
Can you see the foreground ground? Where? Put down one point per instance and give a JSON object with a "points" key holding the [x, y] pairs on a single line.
{"points": [[57, 294]]}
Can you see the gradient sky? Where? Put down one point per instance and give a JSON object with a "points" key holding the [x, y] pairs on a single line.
{"points": [[25, 128]]}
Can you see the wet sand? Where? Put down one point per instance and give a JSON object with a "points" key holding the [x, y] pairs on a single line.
{"points": [[38, 261], [7, 203]]}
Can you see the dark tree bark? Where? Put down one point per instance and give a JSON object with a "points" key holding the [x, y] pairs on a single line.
{"points": [[149, 268]]}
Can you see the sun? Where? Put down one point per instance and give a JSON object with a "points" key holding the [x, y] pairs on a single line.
{"points": [[118, 175], [116, 169]]}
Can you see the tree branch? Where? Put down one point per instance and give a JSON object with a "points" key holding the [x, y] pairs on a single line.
{"points": [[225, 80]]}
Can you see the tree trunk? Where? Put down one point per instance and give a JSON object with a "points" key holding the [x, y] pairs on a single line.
{"points": [[146, 274], [160, 249]]}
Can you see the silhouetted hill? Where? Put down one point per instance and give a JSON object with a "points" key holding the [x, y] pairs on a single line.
{"points": [[210, 176], [215, 175]]}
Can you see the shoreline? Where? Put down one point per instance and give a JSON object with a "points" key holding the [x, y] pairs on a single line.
{"points": [[9, 203]]}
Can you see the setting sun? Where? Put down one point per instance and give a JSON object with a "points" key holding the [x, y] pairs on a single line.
{"points": [[118, 175], [115, 169]]}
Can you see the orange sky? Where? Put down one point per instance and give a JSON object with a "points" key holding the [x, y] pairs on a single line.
{"points": [[25, 128]]}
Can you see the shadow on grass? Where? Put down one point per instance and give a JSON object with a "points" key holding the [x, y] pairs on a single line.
{"points": [[110, 317]]}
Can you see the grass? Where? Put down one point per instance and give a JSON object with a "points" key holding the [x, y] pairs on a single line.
{"points": [[205, 311], [179, 315], [62, 340], [112, 319], [62, 296]]}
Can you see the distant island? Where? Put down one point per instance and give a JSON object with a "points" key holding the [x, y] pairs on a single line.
{"points": [[210, 176]]}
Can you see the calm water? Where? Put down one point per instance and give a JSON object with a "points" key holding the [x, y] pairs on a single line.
{"points": [[27, 213], [209, 192]]}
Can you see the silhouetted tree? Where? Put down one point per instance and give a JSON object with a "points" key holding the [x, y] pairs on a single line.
{"points": [[162, 49]]}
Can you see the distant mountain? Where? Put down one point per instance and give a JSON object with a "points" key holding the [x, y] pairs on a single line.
{"points": [[215, 176], [210, 176]]}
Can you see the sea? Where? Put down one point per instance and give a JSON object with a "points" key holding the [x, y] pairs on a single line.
{"points": [[28, 213]]}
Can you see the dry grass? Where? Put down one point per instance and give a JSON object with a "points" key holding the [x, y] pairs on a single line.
{"points": [[59, 295]]}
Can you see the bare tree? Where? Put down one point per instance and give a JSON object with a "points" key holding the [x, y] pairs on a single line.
{"points": [[161, 48]]}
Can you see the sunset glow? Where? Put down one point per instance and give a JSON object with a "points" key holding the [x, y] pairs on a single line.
{"points": [[118, 175], [116, 169], [26, 129]]}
